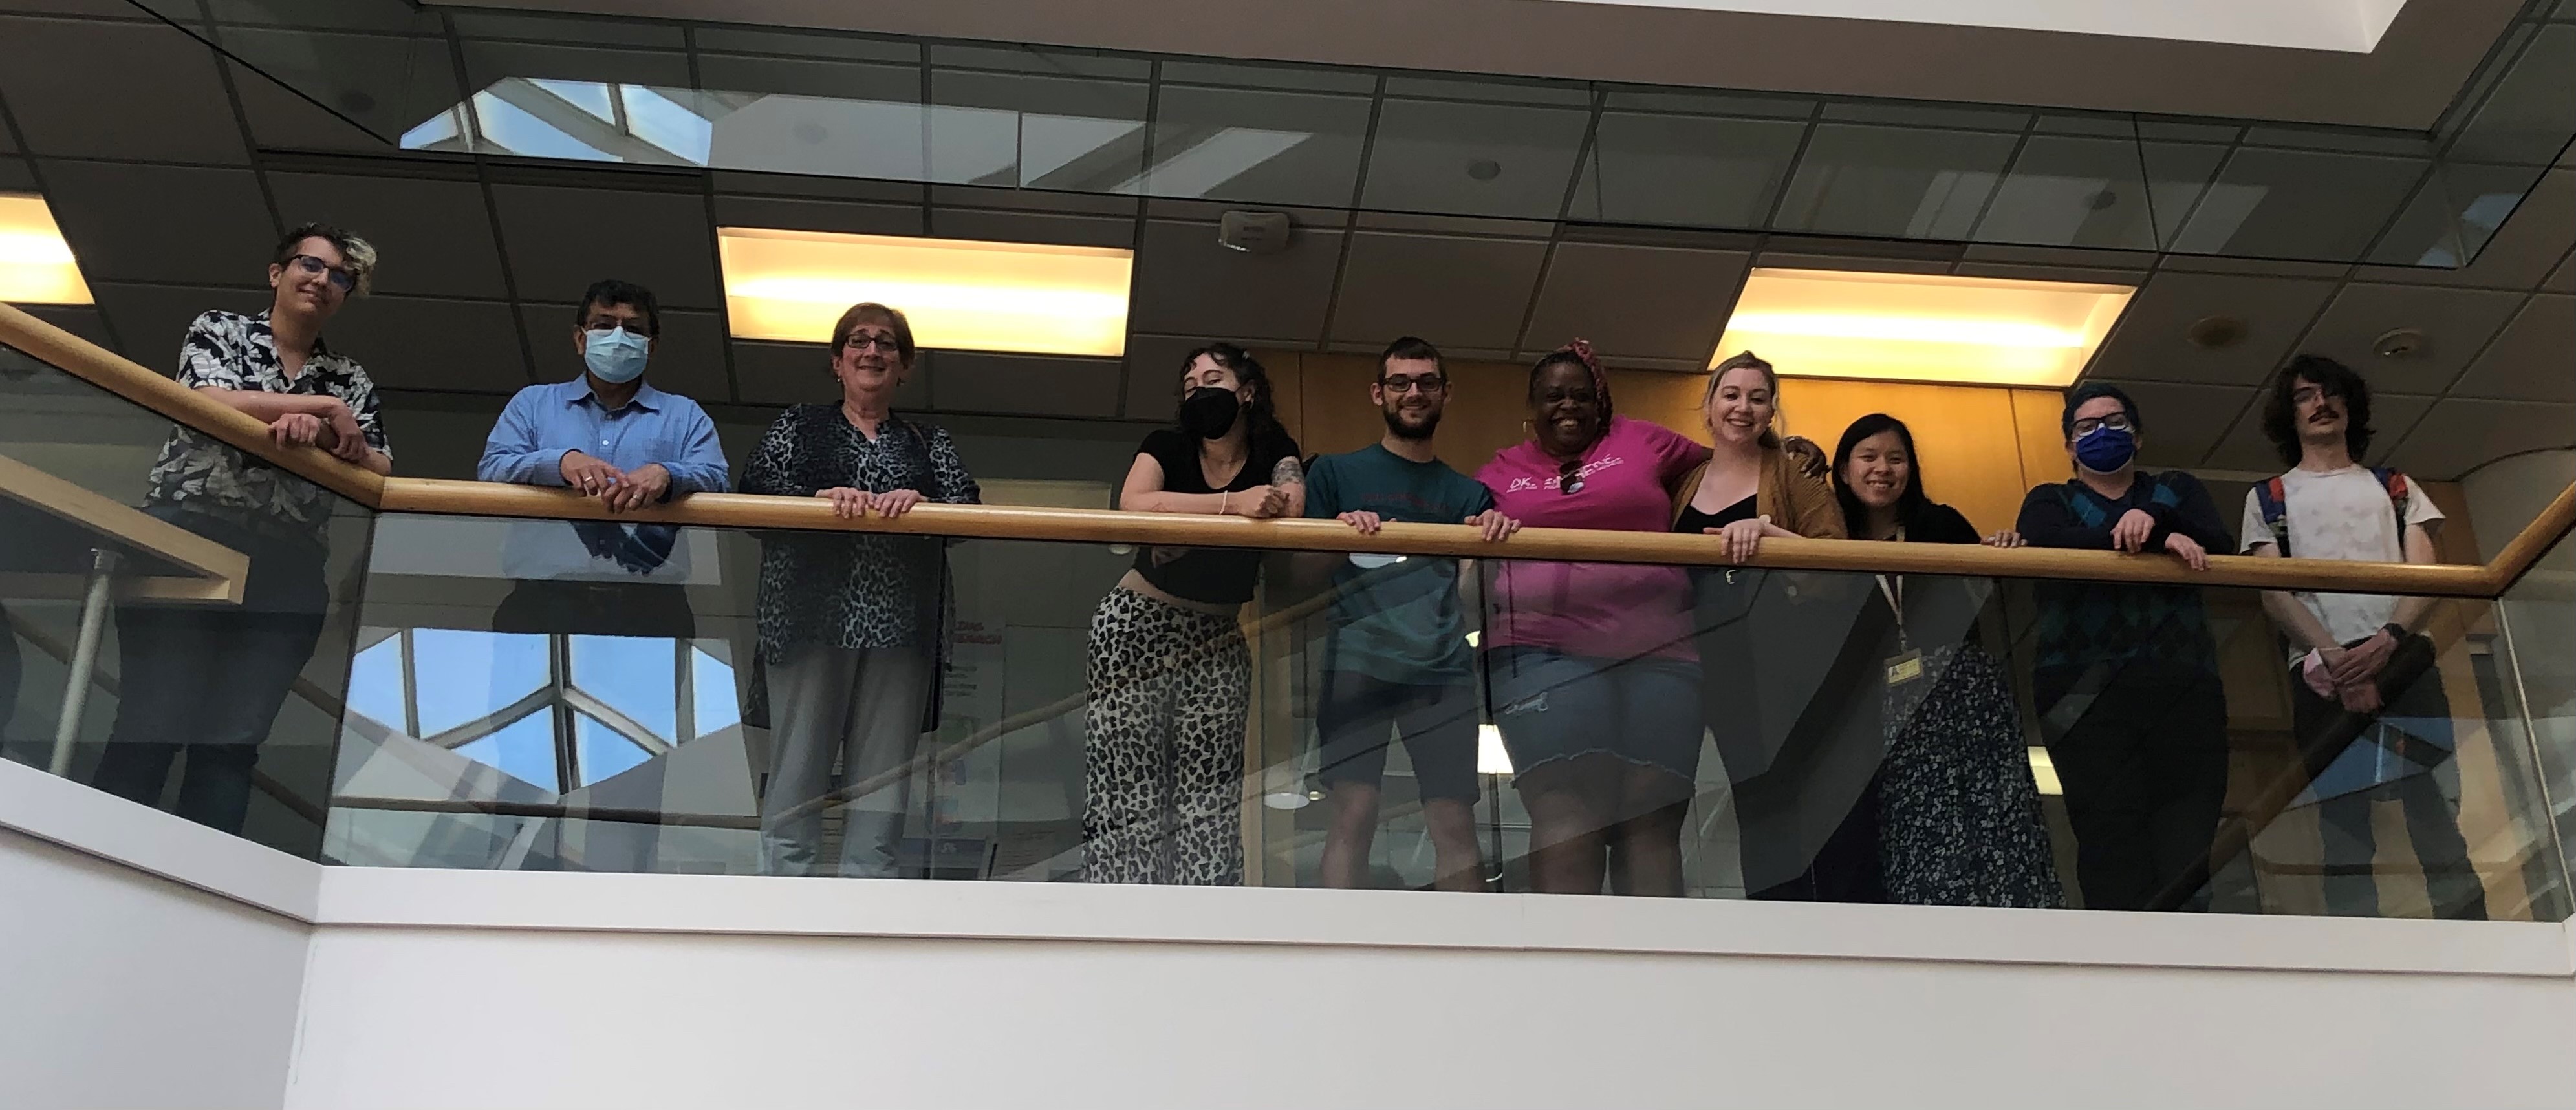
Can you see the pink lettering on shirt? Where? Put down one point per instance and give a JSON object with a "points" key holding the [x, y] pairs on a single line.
{"points": [[1601, 610]]}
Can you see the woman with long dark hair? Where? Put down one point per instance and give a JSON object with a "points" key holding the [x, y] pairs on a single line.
{"points": [[1169, 679], [1958, 815]]}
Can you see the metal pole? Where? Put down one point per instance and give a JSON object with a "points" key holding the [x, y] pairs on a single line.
{"points": [[102, 573]]}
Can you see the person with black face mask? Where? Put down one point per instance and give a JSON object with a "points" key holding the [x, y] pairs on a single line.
{"points": [[2126, 678], [1169, 681]]}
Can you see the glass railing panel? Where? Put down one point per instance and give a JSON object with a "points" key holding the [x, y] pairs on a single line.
{"points": [[200, 666], [2536, 626], [720, 96], [1416, 723]]}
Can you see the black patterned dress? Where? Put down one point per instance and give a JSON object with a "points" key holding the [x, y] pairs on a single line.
{"points": [[1959, 817]]}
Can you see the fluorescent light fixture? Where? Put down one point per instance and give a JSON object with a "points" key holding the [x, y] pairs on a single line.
{"points": [[1491, 757], [1922, 328], [959, 294], [2043, 771], [36, 265]]}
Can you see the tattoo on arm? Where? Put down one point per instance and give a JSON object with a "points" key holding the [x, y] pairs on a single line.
{"points": [[1287, 473]]}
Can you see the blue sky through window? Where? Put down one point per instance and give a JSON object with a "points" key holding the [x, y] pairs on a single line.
{"points": [[525, 750]]}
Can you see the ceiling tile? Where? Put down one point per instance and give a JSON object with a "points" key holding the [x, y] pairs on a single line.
{"points": [[1454, 292], [2182, 422], [2263, 267], [2460, 434], [2533, 359], [688, 358], [1479, 159], [434, 236], [1154, 374], [150, 320], [98, 9], [416, 343], [282, 119], [2246, 448], [2456, 324], [1188, 282], [848, 217], [1033, 227], [2531, 240], [2564, 281], [17, 175], [80, 320], [801, 374], [83, 89], [559, 240], [162, 223], [2150, 342], [974, 381], [388, 83], [1635, 302]]}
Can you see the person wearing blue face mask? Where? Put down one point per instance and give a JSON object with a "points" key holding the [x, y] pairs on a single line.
{"points": [[2126, 676], [607, 434]]}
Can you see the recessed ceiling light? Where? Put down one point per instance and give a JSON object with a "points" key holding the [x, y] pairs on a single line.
{"points": [[958, 294], [36, 265], [1921, 328]]}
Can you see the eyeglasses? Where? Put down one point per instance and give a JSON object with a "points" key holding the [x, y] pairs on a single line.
{"points": [[340, 278], [1425, 384], [860, 341], [1569, 477], [630, 327], [2307, 394], [2115, 421]]}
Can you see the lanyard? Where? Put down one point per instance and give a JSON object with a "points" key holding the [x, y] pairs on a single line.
{"points": [[1892, 587]]}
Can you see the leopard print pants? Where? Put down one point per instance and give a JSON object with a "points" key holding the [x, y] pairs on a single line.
{"points": [[1163, 764]]}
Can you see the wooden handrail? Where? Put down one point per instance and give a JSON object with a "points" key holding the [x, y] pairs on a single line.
{"points": [[116, 374], [735, 510], [421, 495]]}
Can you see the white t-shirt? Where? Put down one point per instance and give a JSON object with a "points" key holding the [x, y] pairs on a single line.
{"points": [[2341, 514]]}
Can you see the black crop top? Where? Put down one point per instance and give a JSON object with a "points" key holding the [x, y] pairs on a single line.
{"points": [[1211, 575]]}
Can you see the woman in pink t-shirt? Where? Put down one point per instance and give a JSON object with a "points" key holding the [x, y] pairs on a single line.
{"points": [[1592, 672]]}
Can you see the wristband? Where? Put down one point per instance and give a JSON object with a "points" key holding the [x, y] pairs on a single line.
{"points": [[1221, 497], [2395, 631]]}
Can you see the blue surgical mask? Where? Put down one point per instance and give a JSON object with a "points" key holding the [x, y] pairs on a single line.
{"points": [[2106, 449], [615, 355]]}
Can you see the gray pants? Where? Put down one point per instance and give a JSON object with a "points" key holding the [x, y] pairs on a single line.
{"points": [[863, 705]]}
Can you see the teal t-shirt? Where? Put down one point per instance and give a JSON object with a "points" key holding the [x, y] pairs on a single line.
{"points": [[1399, 621]]}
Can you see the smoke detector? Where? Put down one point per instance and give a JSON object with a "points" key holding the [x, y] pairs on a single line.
{"points": [[1253, 232], [2401, 343], [2214, 332]]}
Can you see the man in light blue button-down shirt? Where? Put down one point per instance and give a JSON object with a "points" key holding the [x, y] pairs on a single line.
{"points": [[610, 435]]}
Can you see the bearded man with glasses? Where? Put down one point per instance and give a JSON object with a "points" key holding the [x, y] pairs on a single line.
{"points": [[210, 679], [1397, 660]]}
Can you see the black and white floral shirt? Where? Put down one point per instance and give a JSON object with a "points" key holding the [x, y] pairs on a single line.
{"points": [[854, 590], [228, 350]]}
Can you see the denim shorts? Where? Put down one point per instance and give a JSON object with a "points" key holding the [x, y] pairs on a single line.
{"points": [[1552, 706], [1359, 712]]}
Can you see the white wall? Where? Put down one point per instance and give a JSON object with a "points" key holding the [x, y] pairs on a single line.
{"points": [[120, 985], [591, 1019], [2508, 493], [120, 989]]}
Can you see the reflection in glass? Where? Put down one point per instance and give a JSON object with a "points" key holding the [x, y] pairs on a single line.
{"points": [[1886, 181]]}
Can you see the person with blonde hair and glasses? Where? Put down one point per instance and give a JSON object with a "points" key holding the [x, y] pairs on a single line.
{"points": [[853, 625], [1590, 666]]}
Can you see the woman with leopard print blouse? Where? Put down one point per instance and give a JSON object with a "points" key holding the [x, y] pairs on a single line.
{"points": [[1169, 681], [853, 625]]}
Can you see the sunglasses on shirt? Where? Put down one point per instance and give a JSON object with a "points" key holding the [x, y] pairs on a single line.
{"points": [[1569, 477]]}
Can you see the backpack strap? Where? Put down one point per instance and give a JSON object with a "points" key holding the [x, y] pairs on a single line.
{"points": [[2273, 500], [2400, 494]]}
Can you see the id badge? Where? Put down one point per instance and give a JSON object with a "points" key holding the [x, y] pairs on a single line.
{"points": [[1904, 667]]}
